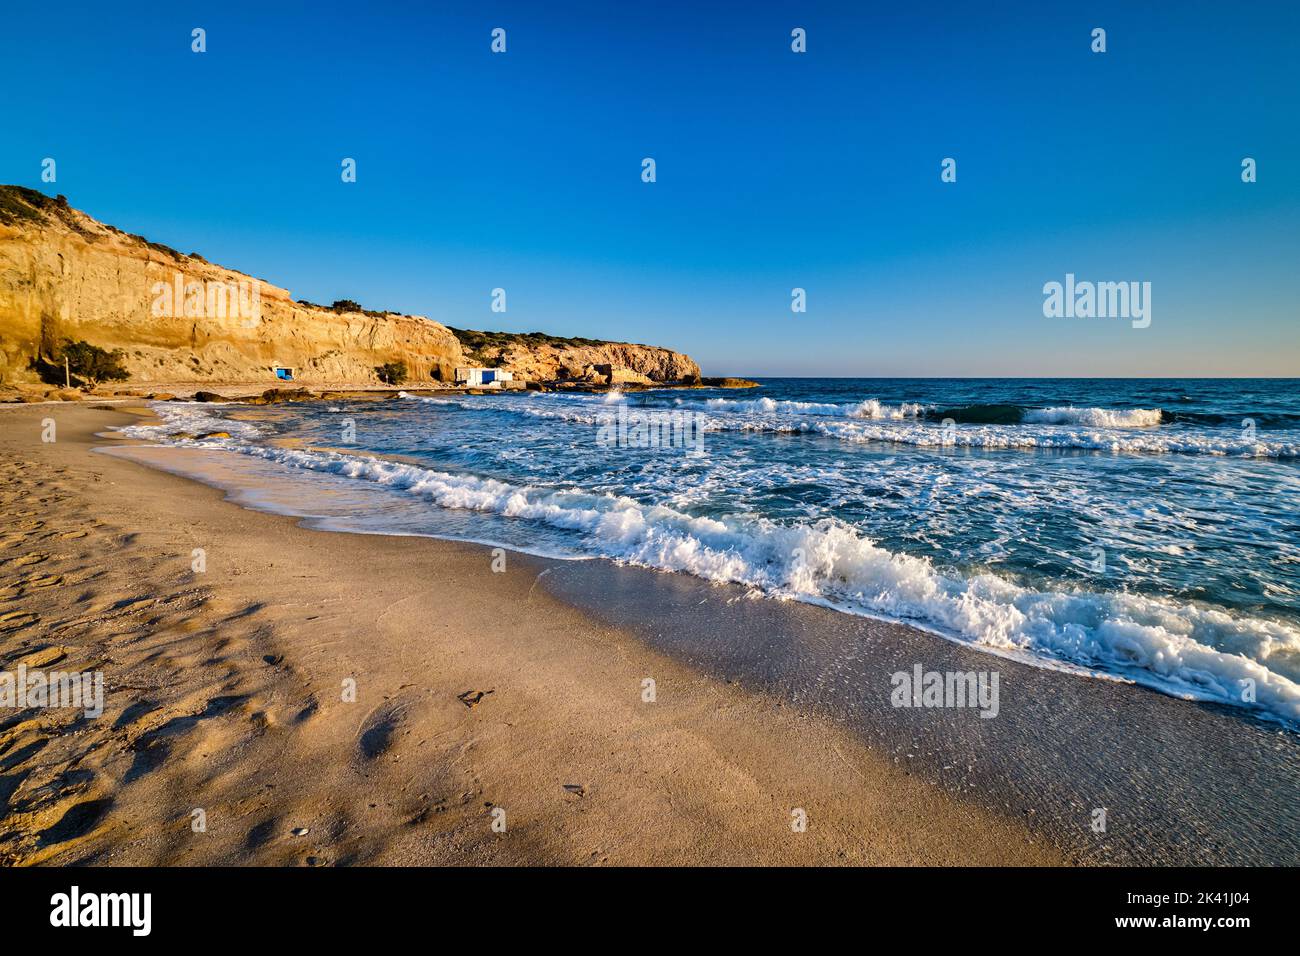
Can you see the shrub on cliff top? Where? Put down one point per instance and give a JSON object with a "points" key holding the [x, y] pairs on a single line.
{"points": [[474, 341], [348, 305], [18, 203]]}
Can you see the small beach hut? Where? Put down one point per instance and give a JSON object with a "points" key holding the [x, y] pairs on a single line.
{"points": [[483, 377]]}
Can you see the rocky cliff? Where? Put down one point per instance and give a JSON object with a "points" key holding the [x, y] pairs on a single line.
{"points": [[180, 319], [539, 357]]}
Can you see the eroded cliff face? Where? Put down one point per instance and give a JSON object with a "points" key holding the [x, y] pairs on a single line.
{"points": [[178, 318]]}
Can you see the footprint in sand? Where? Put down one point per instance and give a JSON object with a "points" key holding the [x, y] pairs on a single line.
{"points": [[44, 657], [76, 823], [16, 620], [135, 713], [36, 725], [378, 736], [472, 698]]}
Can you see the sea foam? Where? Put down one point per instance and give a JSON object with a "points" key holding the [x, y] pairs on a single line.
{"points": [[1098, 417], [1125, 431], [1189, 650], [869, 408]]}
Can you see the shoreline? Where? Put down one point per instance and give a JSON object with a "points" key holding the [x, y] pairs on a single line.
{"points": [[1172, 774], [222, 695], [1183, 782], [1073, 740], [255, 393]]}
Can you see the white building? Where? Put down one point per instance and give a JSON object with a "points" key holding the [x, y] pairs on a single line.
{"points": [[483, 377]]}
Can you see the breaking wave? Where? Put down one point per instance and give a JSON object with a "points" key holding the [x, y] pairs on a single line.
{"points": [[1095, 417], [982, 427], [1189, 650], [871, 408]]}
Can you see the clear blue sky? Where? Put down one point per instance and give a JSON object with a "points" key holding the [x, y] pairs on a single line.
{"points": [[775, 170]]}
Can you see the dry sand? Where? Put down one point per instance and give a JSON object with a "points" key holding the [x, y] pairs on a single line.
{"points": [[224, 692]]}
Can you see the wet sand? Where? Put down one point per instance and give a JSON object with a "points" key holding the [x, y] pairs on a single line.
{"points": [[480, 697], [1181, 782], [1178, 782]]}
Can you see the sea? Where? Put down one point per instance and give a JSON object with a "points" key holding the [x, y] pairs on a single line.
{"points": [[1140, 531]]}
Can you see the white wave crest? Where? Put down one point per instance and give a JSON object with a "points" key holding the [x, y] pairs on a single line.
{"points": [[870, 408], [1095, 417], [178, 420], [903, 429], [996, 437], [1187, 650]]}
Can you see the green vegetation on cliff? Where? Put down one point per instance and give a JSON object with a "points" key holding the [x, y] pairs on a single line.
{"points": [[20, 204], [391, 373], [88, 364], [474, 342]]}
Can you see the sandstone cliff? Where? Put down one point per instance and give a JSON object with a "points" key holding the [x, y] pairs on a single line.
{"points": [[180, 319]]}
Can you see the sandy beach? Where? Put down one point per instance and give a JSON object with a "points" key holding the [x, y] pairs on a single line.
{"points": [[771, 441], [224, 693]]}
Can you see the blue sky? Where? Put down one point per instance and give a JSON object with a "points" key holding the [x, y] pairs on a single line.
{"points": [[775, 169]]}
